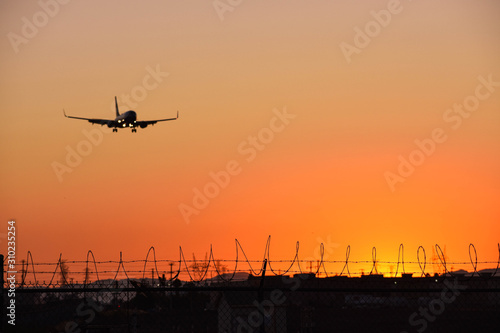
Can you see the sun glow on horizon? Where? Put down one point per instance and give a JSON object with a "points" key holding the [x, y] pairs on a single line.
{"points": [[280, 134]]}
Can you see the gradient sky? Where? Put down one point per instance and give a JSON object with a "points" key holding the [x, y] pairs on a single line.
{"points": [[321, 177]]}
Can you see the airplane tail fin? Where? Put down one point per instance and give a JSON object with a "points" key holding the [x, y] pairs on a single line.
{"points": [[116, 106]]}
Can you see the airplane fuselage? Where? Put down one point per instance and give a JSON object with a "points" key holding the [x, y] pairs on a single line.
{"points": [[127, 119]]}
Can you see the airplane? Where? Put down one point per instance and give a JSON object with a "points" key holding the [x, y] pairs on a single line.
{"points": [[124, 120]]}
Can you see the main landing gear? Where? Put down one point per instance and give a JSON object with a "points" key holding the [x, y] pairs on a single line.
{"points": [[134, 130], [115, 130]]}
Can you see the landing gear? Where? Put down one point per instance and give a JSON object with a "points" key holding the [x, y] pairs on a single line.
{"points": [[134, 130], [115, 130]]}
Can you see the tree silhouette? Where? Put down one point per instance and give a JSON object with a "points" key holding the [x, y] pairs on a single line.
{"points": [[63, 271], [220, 268], [199, 268]]}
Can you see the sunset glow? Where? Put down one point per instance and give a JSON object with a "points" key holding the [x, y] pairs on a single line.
{"points": [[367, 123]]}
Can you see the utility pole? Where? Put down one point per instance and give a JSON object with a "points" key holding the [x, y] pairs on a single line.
{"points": [[22, 272]]}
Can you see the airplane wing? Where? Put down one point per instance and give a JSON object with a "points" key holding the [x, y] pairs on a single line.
{"points": [[102, 122], [145, 123]]}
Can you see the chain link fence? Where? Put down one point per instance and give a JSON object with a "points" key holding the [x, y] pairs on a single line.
{"points": [[208, 296], [302, 303]]}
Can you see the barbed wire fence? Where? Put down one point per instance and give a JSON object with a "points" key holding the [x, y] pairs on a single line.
{"points": [[199, 271], [247, 295]]}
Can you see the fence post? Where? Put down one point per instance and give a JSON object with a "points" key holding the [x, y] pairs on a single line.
{"points": [[260, 294]]}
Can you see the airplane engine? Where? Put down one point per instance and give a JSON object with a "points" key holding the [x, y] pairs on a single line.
{"points": [[144, 125], [110, 124]]}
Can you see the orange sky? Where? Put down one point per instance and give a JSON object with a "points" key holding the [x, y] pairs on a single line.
{"points": [[323, 174]]}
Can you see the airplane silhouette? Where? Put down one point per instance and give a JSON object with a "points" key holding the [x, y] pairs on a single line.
{"points": [[124, 120]]}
